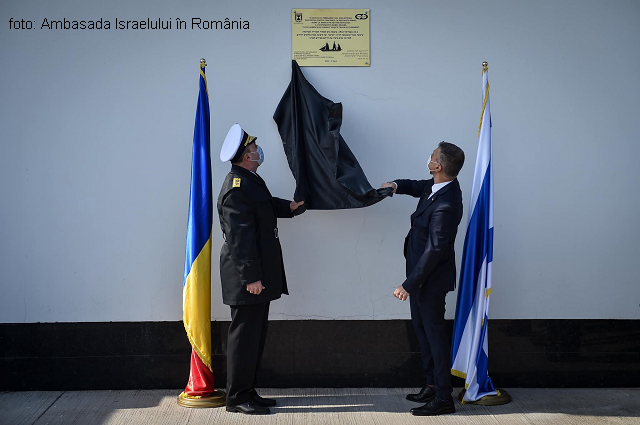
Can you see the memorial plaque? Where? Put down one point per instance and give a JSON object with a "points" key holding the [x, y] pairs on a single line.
{"points": [[330, 37]]}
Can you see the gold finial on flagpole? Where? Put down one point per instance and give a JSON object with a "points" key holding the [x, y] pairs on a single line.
{"points": [[203, 62], [485, 66]]}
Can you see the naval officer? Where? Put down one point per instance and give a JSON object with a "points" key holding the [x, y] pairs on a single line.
{"points": [[251, 266]]}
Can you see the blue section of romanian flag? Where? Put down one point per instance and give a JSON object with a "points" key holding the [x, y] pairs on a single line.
{"points": [[200, 200]]}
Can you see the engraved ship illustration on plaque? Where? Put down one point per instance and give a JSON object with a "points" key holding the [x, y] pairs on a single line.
{"points": [[336, 47]]}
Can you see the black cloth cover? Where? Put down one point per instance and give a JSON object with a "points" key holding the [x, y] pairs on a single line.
{"points": [[327, 174]]}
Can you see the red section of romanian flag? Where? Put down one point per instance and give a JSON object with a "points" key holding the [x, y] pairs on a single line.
{"points": [[200, 378]]}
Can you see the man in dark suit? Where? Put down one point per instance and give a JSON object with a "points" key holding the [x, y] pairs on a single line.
{"points": [[431, 271], [251, 266]]}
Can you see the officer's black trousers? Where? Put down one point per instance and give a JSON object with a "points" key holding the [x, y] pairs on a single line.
{"points": [[247, 334], [427, 315]]}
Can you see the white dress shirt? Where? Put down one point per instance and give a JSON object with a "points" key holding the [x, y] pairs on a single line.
{"points": [[436, 187]]}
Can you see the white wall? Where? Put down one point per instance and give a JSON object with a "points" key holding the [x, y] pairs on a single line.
{"points": [[97, 128]]}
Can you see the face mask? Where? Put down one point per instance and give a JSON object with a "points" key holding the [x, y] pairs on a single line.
{"points": [[430, 170], [260, 153]]}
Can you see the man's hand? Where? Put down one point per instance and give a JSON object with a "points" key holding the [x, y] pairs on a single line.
{"points": [[392, 185], [294, 205], [400, 293], [255, 287]]}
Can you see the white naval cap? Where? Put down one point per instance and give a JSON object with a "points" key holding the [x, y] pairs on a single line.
{"points": [[236, 137]]}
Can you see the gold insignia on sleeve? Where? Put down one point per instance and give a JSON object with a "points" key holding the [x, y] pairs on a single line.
{"points": [[236, 182]]}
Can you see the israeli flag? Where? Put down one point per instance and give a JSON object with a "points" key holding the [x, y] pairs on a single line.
{"points": [[469, 349]]}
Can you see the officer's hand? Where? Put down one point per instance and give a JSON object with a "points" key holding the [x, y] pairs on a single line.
{"points": [[255, 287], [294, 205], [392, 185], [400, 293]]}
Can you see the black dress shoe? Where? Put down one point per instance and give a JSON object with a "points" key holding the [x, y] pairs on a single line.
{"points": [[264, 402], [424, 396], [249, 408], [435, 407]]}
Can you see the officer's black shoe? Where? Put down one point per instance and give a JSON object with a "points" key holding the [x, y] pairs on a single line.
{"points": [[249, 408], [424, 396], [435, 407], [264, 402]]}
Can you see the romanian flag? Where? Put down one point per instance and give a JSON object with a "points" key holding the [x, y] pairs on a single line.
{"points": [[470, 345], [196, 290]]}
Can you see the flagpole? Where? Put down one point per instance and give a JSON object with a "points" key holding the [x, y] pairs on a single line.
{"points": [[196, 299], [470, 347]]}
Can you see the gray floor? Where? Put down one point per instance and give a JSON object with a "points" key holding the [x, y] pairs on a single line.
{"points": [[319, 406]]}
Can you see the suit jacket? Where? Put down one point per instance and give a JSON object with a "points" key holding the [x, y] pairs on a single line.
{"points": [[251, 252], [429, 246]]}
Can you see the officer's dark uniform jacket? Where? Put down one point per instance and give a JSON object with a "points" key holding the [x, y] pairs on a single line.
{"points": [[251, 252], [428, 248]]}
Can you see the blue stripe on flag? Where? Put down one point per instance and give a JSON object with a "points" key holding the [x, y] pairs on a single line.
{"points": [[476, 244], [200, 199]]}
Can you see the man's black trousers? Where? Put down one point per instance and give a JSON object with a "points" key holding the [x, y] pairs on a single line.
{"points": [[427, 316], [245, 345]]}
